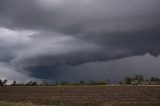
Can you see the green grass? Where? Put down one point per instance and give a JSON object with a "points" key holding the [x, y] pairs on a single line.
{"points": [[3, 103], [131, 104]]}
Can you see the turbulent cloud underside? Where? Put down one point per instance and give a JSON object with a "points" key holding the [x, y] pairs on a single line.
{"points": [[39, 36]]}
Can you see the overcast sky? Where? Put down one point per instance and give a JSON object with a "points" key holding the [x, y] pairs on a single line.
{"points": [[75, 40]]}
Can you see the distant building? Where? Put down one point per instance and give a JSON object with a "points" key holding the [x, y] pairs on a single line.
{"points": [[150, 83], [134, 82]]}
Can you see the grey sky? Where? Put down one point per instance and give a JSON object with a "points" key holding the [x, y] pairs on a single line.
{"points": [[38, 38]]}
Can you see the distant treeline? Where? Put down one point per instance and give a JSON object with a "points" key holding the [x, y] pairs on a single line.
{"points": [[134, 80]]}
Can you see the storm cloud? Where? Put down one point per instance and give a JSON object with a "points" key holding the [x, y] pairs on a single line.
{"points": [[38, 37]]}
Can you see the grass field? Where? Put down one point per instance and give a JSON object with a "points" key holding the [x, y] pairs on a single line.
{"points": [[4, 103], [81, 96]]}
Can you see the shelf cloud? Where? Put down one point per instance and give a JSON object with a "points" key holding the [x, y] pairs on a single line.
{"points": [[38, 37]]}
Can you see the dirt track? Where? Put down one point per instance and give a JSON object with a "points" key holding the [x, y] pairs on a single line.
{"points": [[78, 94]]}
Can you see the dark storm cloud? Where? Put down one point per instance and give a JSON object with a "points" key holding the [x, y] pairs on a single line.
{"points": [[80, 17], [47, 34]]}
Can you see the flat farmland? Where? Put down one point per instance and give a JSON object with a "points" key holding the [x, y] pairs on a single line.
{"points": [[93, 95]]}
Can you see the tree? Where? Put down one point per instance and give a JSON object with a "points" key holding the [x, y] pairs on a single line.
{"points": [[92, 83], [65, 83], [3, 83], [154, 79], [34, 83], [29, 83], [128, 80], [82, 82], [56, 83], [14, 83], [120, 82], [135, 79], [139, 78], [44, 83], [98, 83]]}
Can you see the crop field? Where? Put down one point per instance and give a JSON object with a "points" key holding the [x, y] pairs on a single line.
{"points": [[84, 95]]}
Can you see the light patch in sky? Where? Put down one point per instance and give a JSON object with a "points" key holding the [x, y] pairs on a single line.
{"points": [[10, 37]]}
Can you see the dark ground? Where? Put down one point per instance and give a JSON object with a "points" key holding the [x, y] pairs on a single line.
{"points": [[82, 94]]}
